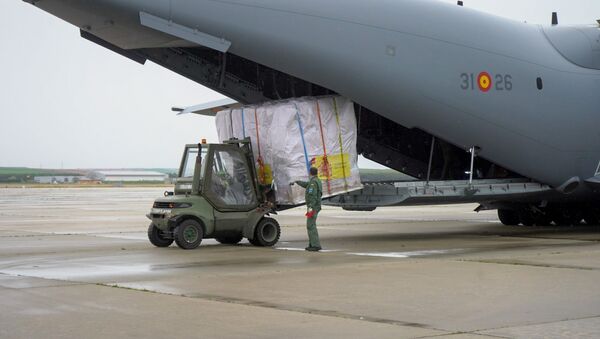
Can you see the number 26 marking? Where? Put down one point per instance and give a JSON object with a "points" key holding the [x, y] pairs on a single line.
{"points": [[504, 82]]}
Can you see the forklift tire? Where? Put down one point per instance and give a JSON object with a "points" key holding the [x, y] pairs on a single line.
{"points": [[230, 240], [157, 238], [188, 235], [266, 233]]}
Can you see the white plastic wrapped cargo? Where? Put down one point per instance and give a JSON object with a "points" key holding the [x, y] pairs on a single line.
{"points": [[288, 137]]}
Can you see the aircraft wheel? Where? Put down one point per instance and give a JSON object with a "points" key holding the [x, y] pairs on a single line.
{"points": [[542, 219], [527, 218], [188, 235], [267, 233], [566, 217], [575, 216], [591, 217], [230, 239], [560, 219], [157, 238], [508, 217]]}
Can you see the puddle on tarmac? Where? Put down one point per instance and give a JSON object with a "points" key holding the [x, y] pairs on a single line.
{"points": [[125, 236], [289, 249], [77, 272]]}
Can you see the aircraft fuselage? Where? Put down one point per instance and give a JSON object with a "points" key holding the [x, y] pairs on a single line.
{"points": [[470, 78]]}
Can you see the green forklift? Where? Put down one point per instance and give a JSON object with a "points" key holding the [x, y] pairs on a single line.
{"points": [[217, 195]]}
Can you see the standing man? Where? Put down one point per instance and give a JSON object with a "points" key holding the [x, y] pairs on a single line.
{"points": [[314, 192]]}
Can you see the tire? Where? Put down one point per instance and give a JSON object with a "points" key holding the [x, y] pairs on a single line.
{"points": [[188, 235], [527, 218], [560, 220], [508, 217], [156, 237], [266, 233], [254, 242], [230, 239], [566, 217], [542, 219], [591, 217]]}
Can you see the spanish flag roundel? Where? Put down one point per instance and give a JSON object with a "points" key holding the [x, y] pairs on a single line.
{"points": [[484, 80]]}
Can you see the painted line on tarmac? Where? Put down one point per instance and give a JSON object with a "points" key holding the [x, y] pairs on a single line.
{"points": [[397, 255], [404, 254], [294, 249]]}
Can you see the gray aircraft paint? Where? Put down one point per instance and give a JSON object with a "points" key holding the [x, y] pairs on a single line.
{"points": [[403, 60]]}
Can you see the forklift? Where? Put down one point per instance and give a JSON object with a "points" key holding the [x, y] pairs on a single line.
{"points": [[217, 195]]}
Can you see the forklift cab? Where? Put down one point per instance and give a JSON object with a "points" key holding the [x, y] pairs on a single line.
{"points": [[216, 196], [221, 172]]}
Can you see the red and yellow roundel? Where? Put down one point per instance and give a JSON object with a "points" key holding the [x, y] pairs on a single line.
{"points": [[484, 80]]}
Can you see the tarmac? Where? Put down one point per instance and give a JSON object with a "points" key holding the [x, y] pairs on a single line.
{"points": [[76, 263]]}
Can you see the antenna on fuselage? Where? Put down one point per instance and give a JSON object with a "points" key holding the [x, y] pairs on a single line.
{"points": [[554, 18]]}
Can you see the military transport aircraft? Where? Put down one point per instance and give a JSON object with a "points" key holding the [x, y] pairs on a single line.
{"points": [[476, 107]]}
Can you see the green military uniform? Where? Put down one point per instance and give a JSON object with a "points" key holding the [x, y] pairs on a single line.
{"points": [[314, 192]]}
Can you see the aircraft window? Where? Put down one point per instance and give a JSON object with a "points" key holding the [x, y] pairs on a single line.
{"points": [[230, 182], [540, 84]]}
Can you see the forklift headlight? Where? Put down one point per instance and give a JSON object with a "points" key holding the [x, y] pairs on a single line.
{"points": [[171, 205]]}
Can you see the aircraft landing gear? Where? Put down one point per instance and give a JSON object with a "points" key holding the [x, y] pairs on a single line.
{"points": [[591, 216], [524, 216], [566, 216], [546, 216], [508, 217], [527, 218]]}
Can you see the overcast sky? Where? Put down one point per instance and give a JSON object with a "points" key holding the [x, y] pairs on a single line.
{"points": [[66, 102]]}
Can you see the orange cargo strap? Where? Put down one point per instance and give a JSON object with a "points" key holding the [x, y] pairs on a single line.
{"points": [[261, 164], [337, 120], [326, 168]]}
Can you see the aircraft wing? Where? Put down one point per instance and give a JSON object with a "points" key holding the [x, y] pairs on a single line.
{"points": [[208, 109]]}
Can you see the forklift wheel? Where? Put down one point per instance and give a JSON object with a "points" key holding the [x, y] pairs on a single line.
{"points": [[188, 235], [157, 238], [230, 240], [267, 233]]}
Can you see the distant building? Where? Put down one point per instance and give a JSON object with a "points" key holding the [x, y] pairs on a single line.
{"points": [[57, 179], [128, 176], [88, 181]]}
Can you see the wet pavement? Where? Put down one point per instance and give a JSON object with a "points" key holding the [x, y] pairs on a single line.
{"points": [[76, 263]]}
